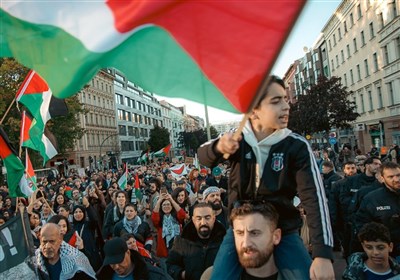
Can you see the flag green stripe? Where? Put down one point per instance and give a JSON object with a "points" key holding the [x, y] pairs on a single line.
{"points": [[15, 171], [155, 61]]}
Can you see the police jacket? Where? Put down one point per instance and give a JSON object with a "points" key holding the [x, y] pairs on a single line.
{"points": [[290, 169], [192, 254], [382, 206], [351, 187]]}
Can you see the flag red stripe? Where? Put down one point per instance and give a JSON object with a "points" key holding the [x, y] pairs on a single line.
{"points": [[5, 150], [250, 33], [32, 84]]}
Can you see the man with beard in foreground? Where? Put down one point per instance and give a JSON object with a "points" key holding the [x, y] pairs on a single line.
{"points": [[195, 250], [212, 195], [256, 234]]}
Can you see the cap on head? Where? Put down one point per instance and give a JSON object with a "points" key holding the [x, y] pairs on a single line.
{"points": [[203, 171], [114, 251], [217, 171], [209, 191]]}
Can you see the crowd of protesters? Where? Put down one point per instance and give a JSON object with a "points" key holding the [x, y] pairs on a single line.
{"points": [[156, 221]]}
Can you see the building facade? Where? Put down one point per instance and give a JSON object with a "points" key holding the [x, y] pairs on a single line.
{"points": [[99, 122], [137, 112], [363, 39]]}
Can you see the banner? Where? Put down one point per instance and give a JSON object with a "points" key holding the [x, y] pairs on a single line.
{"points": [[16, 249]]}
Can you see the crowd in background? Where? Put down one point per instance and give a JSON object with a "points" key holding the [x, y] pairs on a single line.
{"points": [[93, 208]]}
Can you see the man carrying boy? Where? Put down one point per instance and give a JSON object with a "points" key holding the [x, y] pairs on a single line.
{"points": [[273, 164]]}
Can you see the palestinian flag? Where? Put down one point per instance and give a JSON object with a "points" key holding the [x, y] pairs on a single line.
{"points": [[35, 94], [16, 180], [217, 53], [138, 192], [144, 158], [163, 152], [33, 136], [123, 180], [30, 172], [178, 170]]}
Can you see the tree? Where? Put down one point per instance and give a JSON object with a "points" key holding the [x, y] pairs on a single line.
{"points": [[159, 138], [193, 139], [66, 129], [324, 106]]}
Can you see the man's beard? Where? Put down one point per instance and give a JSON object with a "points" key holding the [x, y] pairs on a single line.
{"points": [[258, 259], [216, 206], [204, 233]]}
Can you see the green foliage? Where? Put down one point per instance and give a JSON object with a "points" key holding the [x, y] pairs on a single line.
{"points": [[66, 129], [324, 106], [159, 138], [191, 141]]}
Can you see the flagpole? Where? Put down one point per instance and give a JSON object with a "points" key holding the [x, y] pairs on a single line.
{"points": [[6, 113]]}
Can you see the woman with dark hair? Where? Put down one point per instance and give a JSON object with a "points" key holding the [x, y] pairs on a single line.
{"points": [[115, 214], [67, 231], [168, 218], [181, 196], [85, 223], [60, 199], [131, 223]]}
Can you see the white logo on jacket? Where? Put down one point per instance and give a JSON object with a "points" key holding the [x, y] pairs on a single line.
{"points": [[277, 162], [248, 155], [380, 208]]}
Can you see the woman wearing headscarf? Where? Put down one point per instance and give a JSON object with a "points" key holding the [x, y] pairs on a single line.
{"points": [[85, 222]]}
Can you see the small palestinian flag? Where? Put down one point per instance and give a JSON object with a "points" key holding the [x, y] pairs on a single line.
{"points": [[163, 152], [16, 180]]}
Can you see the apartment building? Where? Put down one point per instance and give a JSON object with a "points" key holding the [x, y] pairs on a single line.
{"points": [[363, 39]]}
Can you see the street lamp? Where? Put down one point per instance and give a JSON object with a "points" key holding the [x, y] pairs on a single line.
{"points": [[101, 145]]}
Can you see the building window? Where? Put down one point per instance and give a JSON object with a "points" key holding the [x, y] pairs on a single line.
{"points": [[342, 54], [345, 27], [337, 61], [380, 98], [359, 11], [355, 44], [334, 40], [398, 46], [371, 31], [394, 9], [333, 65], [121, 114], [129, 116], [330, 46], [371, 105], [381, 22], [358, 72], [386, 55], [340, 34], [362, 39], [119, 99], [348, 51], [375, 57], [345, 79], [362, 103], [351, 19], [122, 130], [366, 68], [391, 94], [351, 77]]}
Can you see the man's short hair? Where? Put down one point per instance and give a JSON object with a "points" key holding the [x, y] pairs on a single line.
{"points": [[272, 79], [373, 232], [202, 205], [388, 165], [328, 164], [370, 160], [349, 162], [248, 207]]}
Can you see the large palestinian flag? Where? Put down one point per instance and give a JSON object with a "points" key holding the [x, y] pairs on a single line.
{"points": [[213, 52]]}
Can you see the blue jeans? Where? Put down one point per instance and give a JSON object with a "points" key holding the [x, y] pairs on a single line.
{"points": [[291, 258]]}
